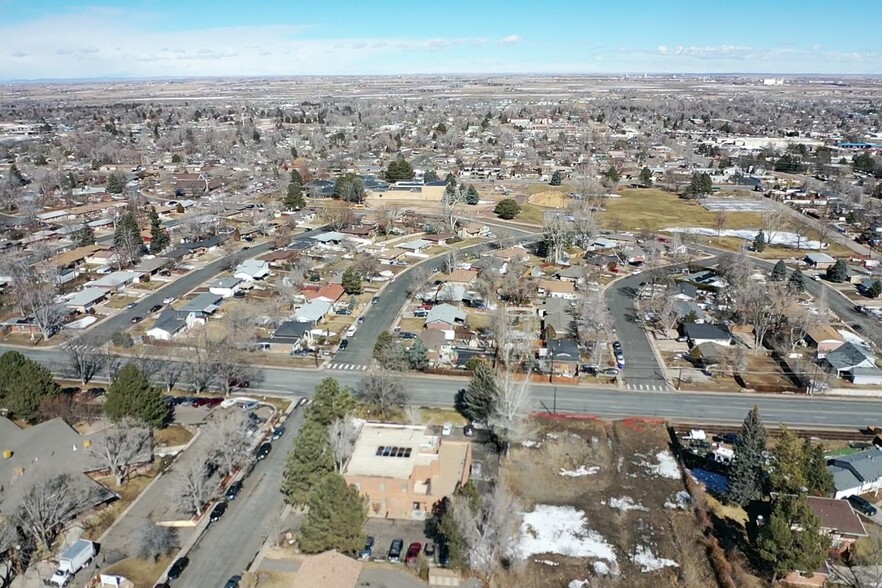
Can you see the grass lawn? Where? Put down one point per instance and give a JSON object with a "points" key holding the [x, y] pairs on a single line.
{"points": [[476, 320], [655, 209], [128, 492], [439, 416], [120, 301], [172, 436], [413, 325], [140, 572], [530, 213], [149, 285]]}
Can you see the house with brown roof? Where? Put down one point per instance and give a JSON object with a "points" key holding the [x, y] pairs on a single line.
{"points": [[838, 520], [278, 259], [329, 292], [824, 338], [461, 277], [557, 289], [75, 257]]}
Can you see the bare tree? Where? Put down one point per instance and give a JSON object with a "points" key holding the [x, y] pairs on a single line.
{"points": [[170, 369], [720, 223], [759, 304], [122, 448], [773, 219], [34, 289], [193, 483], [413, 414], [510, 419], [341, 438], [451, 202], [388, 215], [153, 541], [41, 503], [491, 532], [558, 233], [382, 390], [86, 357], [591, 320], [583, 221], [338, 216], [418, 279], [228, 442]]}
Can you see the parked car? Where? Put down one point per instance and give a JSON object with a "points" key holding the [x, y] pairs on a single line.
{"points": [[726, 438], [168, 300], [277, 433], [263, 451], [155, 308], [360, 319], [344, 344], [178, 568], [197, 402], [217, 512], [862, 505], [617, 346], [413, 552], [375, 299], [468, 431], [137, 319], [233, 490], [446, 429], [857, 328], [250, 405], [368, 548], [610, 371], [407, 335], [233, 582], [96, 391], [395, 550], [429, 551], [131, 305]]}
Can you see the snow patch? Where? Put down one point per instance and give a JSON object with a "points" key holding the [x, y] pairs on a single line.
{"points": [[579, 472], [562, 530], [547, 562], [649, 562], [850, 337], [601, 568], [667, 466], [530, 444], [679, 501], [578, 584], [778, 238], [624, 504]]}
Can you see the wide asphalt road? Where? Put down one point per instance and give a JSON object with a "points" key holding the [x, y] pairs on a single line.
{"points": [[228, 546]]}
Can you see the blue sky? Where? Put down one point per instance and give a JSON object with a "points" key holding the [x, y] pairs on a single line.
{"points": [[156, 38]]}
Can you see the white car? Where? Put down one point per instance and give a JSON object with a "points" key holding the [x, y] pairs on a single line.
{"points": [[447, 429], [168, 300]]}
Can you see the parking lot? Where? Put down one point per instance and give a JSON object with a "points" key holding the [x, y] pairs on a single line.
{"points": [[384, 531]]}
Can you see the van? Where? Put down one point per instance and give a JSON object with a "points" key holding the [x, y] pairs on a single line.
{"points": [[351, 330]]}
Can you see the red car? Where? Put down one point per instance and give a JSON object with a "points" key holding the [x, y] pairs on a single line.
{"points": [[413, 552], [207, 402]]}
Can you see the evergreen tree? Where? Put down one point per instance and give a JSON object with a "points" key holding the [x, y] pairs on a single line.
{"points": [[507, 209], [838, 272], [430, 176], [398, 170], [131, 395], [24, 383], [612, 175], [479, 399], [450, 179], [787, 473], [349, 188], [796, 283], [308, 462], [115, 184], [759, 242], [417, 356], [875, 289], [337, 512], [792, 538], [296, 178], [330, 402], [442, 526], [294, 197], [746, 475], [384, 341], [85, 236], [127, 237], [351, 281], [555, 179], [646, 177], [15, 176], [472, 197], [818, 479], [159, 238], [779, 272]]}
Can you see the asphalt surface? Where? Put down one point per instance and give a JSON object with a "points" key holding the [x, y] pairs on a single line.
{"points": [[228, 546]]}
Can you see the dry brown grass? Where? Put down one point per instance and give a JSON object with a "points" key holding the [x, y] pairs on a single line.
{"points": [[655, 209], [142, 573], [96, 524], [267, 579], [550, 199], [172, 436]]}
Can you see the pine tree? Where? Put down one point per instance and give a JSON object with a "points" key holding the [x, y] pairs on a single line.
{"points": [[555, 179], [787, 474], [792, 538], [308, 462], [131, 395], [417, 356], [294, 197], [351, 281], [127, 237], [159, 238], [796, 283], [875, 289], [479, 399], [646, 177], [779, 272], [296, 178], [507, 209], [818, 479], [383, 342], [838, 272], [472, 197], [330, 402], [24, 383], [746, 476], [337, 512], [759, 242], [85, 236]]}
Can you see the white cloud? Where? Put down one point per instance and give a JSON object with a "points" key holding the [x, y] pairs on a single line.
{"points": [[509, 40]]}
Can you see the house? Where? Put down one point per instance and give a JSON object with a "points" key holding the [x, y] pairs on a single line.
{"points": [[574, 274], [448, 292], [439, 238], [279, 259], [390, 256], [405, 469], [819, 261], [686, 309], [289, 336], [171, 322], [856, 473], [848, 356], [438, 342], [329, 292], [84, 300], [203, 304], [152, 266], [696, 334], [865, 376], [557, 318], [75, 257], [415, 246], [686, 291], [224, 287], [473, 230], [313, 311], [838, 521], [557, 289], [512, 254], [444, 316], [564, 357], [251, 270], [21, 324], [115, 280], [708, 356], [461, 277], [824, 338], [329, 238]]}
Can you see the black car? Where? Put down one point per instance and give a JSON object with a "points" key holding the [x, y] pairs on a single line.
{"points": [[429, 551], [395, 550], [263, 451], [863, 506], [217, 512], [233, 490], [368, 548], [155, 308], [137, 319], [617, 346], [233, 582], [857, 328], [277, 432], [178, 568], [344, 343], [726, 438]]}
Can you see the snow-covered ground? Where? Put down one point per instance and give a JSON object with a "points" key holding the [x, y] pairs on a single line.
{"points": [[649, 562], [850, 337], [624, 504], [779, 238], [562, 530], [667, 466], [679, 501], [579, 472]]}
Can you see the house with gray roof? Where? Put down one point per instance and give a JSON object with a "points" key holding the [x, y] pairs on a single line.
{"points": [[557, 318], [313, 311], [857, 473], [415, 246], [224, 287], [331, 237], [251, 270], [289, 336], [171, 322], [445, 316], [846, 357], [85, 299], [203, 305], [697, 334]]}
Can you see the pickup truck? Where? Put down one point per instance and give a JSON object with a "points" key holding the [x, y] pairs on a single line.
{"points": [[72, 560]]}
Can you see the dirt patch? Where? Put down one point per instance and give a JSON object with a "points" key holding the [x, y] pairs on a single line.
{"points": [[140, 572], [550, 199], [268, 579], [623, 479], [172, 436]]}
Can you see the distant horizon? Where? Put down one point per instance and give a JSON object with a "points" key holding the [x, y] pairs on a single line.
{"points": [[149, 39]]}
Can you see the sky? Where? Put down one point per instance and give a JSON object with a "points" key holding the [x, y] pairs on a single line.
{"points": [[76, 39]]}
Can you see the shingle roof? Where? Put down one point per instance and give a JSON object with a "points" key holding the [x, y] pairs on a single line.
{"points": [[836, 515], [705, 331], [846, 356], [865, 466], [445, 313]]}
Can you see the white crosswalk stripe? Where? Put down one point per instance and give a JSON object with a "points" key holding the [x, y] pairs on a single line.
{"points": [[347, 367], [647, 387]]}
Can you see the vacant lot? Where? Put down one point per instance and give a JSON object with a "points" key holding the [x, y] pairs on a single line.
{"points": [[654, 209], [550, 199], [605, 505]]}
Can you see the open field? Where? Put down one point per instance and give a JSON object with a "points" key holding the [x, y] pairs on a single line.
{"points": [[550, 199], [655, 209], [638, 529]]}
